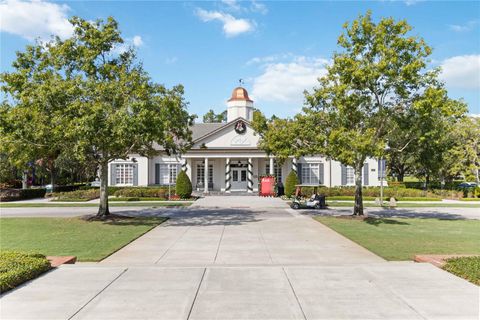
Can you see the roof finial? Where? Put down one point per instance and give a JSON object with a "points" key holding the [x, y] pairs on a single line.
{"points": [[241, 82]]}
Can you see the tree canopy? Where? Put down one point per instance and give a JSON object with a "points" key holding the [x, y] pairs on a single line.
{"points": [[379, 75], [104, 104], [212, 117]]}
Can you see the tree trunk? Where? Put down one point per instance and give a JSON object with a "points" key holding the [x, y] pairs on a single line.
{"points": [[52, 178], [25, 179], [103, 208], [358, 206], [400, 177]]}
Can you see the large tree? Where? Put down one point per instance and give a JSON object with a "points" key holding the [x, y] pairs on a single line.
{"points": [[118, 109], [379, 70], [33, 119]]}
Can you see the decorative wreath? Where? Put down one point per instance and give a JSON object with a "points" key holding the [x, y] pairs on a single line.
{"points": [[240, 127]]}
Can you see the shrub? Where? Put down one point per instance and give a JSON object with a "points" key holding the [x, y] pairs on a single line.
{"points": [[81, 195], [17, 267], [183, 187], [21, 194], [141, 192], [290, 182], [465, 267]]}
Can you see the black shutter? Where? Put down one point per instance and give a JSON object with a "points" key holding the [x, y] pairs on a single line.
{"points": [[344, 175], [135, 174], [299, 172], [365, 174], [157, 173]]}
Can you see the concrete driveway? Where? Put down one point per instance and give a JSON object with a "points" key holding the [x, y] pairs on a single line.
{"points": [[249, 262]]}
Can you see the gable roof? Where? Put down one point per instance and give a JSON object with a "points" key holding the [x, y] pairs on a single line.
{"points": [[201, 129], [220, 127]]}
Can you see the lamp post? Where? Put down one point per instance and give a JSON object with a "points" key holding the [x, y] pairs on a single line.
{"points": [[382, 173]]}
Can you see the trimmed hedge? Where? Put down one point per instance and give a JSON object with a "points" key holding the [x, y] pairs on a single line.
{"points": [[465, 267], [78, 195], [388, 192], [142, 192], [290, 183], [137, 199], [183, 187], [21, 194], [17, 267]]}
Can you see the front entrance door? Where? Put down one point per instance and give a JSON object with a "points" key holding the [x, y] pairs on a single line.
{"points": [[239, 179]]}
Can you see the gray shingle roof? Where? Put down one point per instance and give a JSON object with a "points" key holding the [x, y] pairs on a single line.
{"points": [[201, 129]]}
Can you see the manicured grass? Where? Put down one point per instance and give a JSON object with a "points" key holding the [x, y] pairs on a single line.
{"points": [[385, 199], [465, 267], [408, 205], [470, 199], [401, 239], [18, 267], [113, 204], [137, 199], [89, 241], [70, 200]]}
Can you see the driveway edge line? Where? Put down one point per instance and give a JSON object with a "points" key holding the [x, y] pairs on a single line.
{"points": [[294, 293], [196, 293], [98, 293]]}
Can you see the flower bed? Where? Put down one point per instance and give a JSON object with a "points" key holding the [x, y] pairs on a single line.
{"points": [[17, 267]]}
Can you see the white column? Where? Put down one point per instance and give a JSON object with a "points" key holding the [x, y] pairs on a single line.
{"points": [[250, 176], [271, 167], [228, 184], [206, 176]]}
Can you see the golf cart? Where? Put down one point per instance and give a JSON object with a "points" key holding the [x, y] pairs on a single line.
{"points": [[316, 201]]}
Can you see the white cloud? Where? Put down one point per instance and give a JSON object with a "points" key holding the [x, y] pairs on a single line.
{"points": [[461, 72], [232, 4], [35, 19], [286, 81], [231, 26], [258, 7], [137, 41], [474, 115], [463, 27]]}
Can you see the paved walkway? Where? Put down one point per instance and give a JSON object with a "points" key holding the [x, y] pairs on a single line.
{"points": [[251, 262]]}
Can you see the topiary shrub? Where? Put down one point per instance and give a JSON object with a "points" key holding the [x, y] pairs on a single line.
{"points": [[290, 183], [18, 267], [183, 187]]}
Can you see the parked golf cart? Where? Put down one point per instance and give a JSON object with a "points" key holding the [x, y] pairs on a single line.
{"points": [[316, 201]]}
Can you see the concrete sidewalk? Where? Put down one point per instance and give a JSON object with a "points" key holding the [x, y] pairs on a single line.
{"points": [[255, 261]]}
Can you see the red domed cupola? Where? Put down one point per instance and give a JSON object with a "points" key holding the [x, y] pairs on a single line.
{"points": [[240, 94]]}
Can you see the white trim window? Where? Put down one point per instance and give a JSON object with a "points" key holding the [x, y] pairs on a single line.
{"points": [[311, 173], [124, 174], [350, 175], [201, 173], [277, 171], [167, 173]]}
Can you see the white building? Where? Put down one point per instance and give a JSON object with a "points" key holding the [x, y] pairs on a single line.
{"points": [[235, 163]]}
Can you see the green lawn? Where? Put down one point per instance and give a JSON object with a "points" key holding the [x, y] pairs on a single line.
{"points": [[113, 204], [465, 267], [401, 239], [89, 241], [408, 205]]}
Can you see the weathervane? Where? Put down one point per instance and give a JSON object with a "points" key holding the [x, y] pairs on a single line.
{"points": [[241, 82]]}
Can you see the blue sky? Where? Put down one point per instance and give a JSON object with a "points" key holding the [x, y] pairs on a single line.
{"points": [[279, 48]]}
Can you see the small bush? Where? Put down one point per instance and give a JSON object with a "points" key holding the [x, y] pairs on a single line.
{"points": [[81, 195], [183, 187], [465, 267], [21, 194], [142, 192], [18, 267], [290, 183]]}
